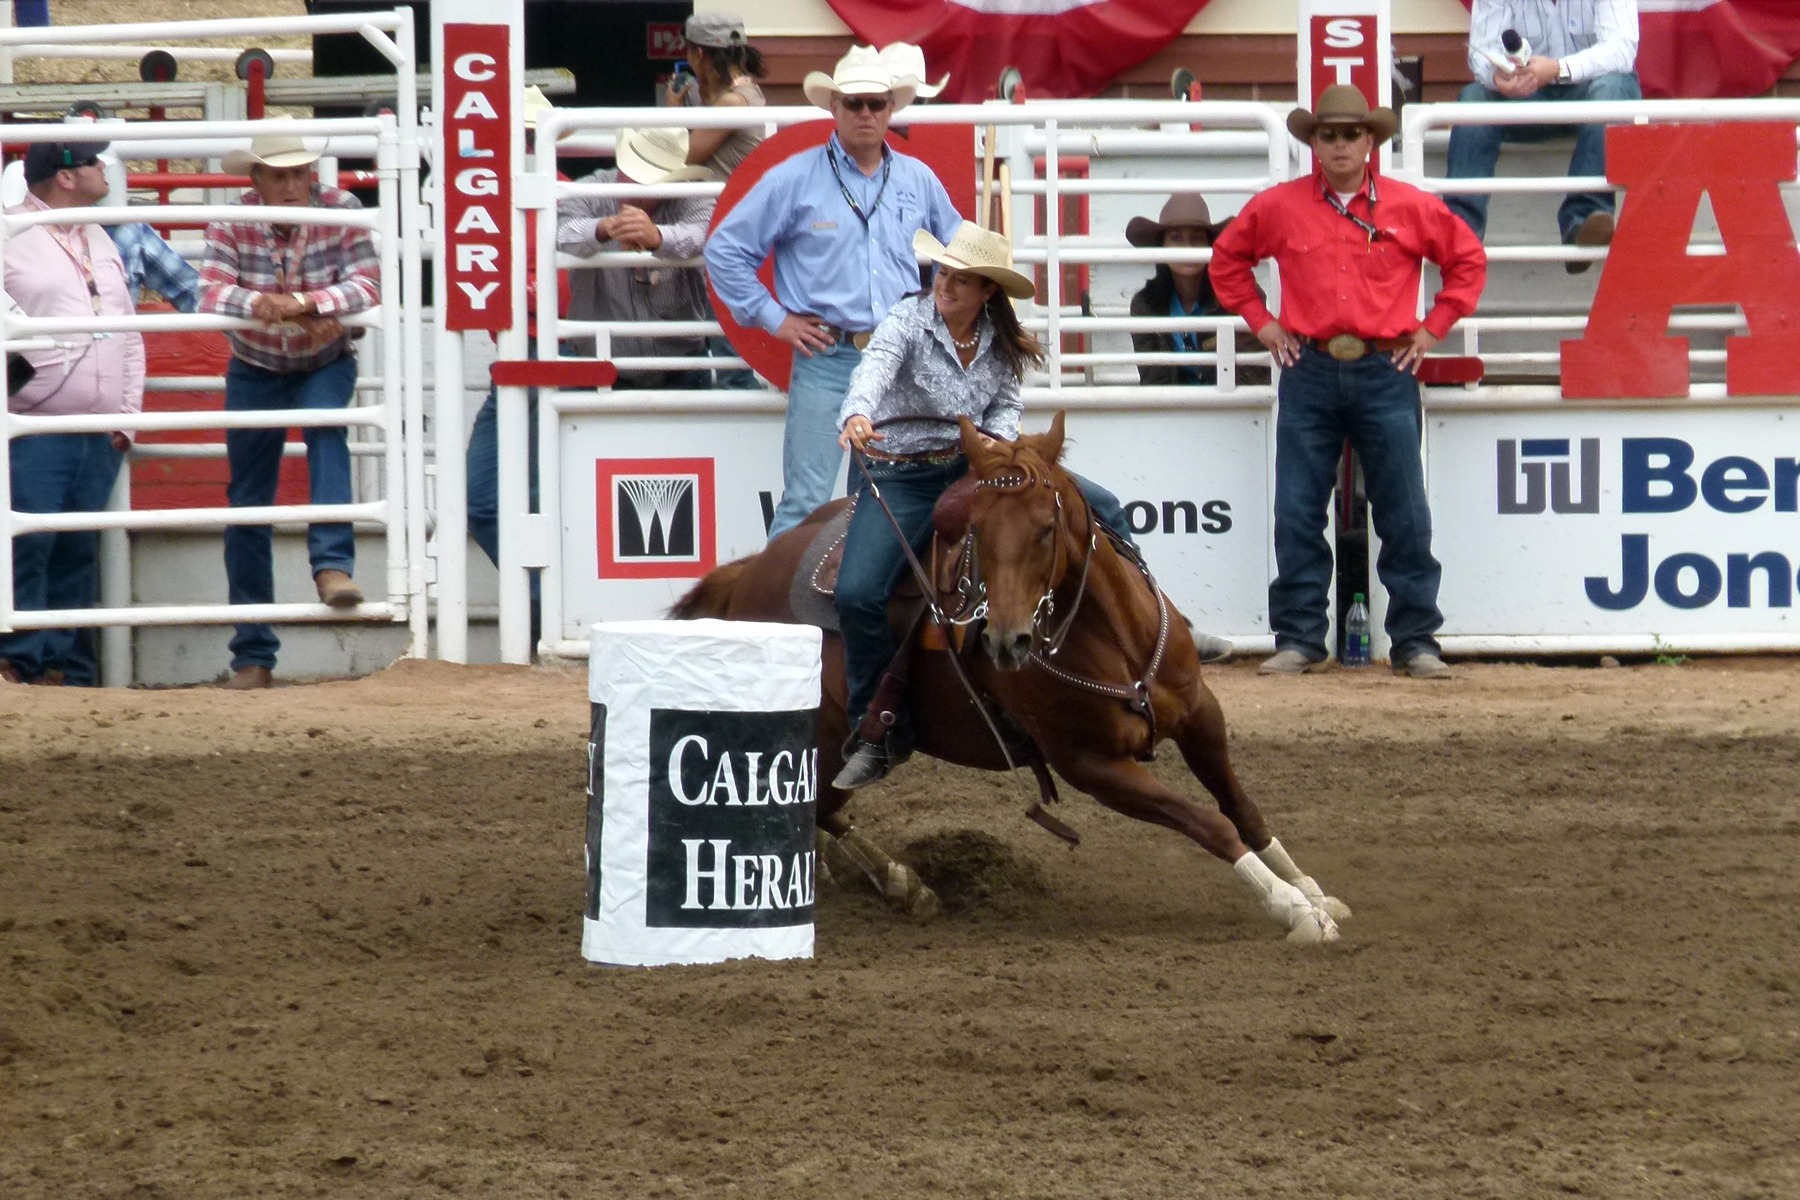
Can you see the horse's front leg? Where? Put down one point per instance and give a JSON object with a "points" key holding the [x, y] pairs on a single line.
{"points": [[1201, 737], [1126, 787]]}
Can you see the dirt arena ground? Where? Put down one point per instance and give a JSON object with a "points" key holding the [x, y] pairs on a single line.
{"points": [[323, 941]]}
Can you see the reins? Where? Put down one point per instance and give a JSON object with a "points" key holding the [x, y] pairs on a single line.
{"points": [[1135, 696]]}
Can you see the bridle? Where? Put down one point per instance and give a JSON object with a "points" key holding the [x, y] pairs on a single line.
{"points": [[1046, 641]]}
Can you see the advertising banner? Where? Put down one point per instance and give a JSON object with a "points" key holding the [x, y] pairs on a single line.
{"points": [[1637, 522], [651, 502]]}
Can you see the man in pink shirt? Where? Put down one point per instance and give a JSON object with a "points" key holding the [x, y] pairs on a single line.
{"points": [[66, 270]]}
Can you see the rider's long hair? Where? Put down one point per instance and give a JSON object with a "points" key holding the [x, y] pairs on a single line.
{"points": [[1017, 346], [727, 61]]}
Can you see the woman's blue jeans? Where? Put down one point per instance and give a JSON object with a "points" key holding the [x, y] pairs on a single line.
{"points": [[255, 457], [1376, 406]]}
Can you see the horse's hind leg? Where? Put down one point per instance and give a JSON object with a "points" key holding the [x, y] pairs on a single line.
{"points": [[1201, 738]]}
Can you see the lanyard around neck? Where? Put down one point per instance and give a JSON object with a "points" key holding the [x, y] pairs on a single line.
{"points": [[1331, 197], [887, 166]]}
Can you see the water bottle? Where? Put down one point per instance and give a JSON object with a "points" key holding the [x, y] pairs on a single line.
{"points": [[1356, 633]]}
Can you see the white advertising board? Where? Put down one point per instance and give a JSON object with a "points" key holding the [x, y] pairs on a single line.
{"points": [[652, 501], [1591, 524]]}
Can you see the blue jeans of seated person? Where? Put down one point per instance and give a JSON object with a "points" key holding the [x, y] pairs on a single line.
{"points": [[1475, 149], [58, 473], [1376, 406], [873, 563], [255, 458], [810, 458]]}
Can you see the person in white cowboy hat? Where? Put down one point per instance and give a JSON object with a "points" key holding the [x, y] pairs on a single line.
{"points": [[907, 62], [840, 221], [668, 227], [1350, 245], [957, 350], [295, 281]]}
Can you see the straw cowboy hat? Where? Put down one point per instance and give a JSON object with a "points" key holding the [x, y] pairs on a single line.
{"points": [[1342, 104], [906, 61], [277, 150], [981, 251], [859, 73], [1184, 211], [656, 156], [533, 103]]}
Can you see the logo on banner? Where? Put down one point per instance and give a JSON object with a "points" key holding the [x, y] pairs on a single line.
{"points": [[1544, 468], [656, 518], [732, 797], [1659, 476]]}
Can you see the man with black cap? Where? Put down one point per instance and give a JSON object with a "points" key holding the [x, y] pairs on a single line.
{"points": [[296, 281], [1350, 245], [65, 270]]}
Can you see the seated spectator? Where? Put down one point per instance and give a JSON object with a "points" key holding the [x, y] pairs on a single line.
{"points": [[726, 69], [1576, 51], [1182, 290]]}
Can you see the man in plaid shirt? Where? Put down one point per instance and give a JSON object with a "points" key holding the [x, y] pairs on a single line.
{"points": [[297, 280]]}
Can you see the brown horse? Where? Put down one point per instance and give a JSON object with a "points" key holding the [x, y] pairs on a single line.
{"points": [[1082, 652]]}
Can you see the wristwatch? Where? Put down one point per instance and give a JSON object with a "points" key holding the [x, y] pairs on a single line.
{"points": [[1562, 72]]}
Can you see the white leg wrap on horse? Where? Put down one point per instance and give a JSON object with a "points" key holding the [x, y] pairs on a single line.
{"points": [[1276, 856], [1286, 904]]}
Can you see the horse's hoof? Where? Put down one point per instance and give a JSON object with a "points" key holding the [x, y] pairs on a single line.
{"points": [[1334, 908], [1314, 929], [924, 905]]}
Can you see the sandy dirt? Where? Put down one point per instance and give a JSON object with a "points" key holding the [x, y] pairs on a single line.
{"points": [[324, 941]]}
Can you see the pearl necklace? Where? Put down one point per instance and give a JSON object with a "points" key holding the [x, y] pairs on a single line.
{"points": [[974, 341]]}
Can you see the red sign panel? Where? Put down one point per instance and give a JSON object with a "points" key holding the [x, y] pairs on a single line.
{"points": [[656, 518], [478, 169], [1343, 51], [663, 39]]}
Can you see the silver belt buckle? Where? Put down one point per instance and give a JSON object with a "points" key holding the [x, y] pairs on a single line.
{"points": [[1346, 347]]}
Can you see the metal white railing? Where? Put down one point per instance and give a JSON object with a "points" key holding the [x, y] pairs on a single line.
{"points": [[393, 140]]}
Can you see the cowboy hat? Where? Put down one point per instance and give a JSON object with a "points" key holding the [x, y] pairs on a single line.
{"points": [[532, 103], [651, 156], [980, 251], [277, 150], [1182, 211], [1342, 104], [861, 72], [907, 61]]}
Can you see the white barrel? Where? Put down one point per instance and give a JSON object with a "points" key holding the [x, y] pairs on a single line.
{"points": [[703, 778]]}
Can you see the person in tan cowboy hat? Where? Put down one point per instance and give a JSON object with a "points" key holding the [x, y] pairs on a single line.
{"points": [[1350, 245], [1181, 290], [957, 350], [839, 220], [296, 281]]}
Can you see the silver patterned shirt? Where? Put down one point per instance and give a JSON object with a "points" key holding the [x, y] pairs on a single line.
{"points": [[910, 368]]}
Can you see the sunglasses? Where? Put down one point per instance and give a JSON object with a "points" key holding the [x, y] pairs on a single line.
{"points": [[874, 104], [1340, 133]]}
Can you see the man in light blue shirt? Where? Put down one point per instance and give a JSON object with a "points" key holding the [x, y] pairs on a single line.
{"points": [[1565, 50], [840, 221]]}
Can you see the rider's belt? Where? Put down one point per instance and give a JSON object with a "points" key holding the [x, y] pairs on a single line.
{"points": [[1347, 347], [932, 458], [858, 339]]}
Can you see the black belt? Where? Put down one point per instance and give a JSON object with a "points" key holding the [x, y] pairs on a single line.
{"points": [[857, 338], [1348, 347]]}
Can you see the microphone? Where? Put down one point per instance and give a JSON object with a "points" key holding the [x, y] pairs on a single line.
{"points": [[1517, 48]]}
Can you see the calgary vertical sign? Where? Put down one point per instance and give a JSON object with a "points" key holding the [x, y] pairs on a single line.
{"points": [[477, 103]]}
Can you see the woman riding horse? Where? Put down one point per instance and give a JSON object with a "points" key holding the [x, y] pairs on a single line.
{"points": [[957, 351]]}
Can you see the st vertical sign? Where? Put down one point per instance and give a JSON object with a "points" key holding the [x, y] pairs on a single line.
{"points": [[477, 103], [1346, 41]]}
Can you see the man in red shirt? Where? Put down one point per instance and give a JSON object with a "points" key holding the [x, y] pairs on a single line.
{"points": [[1349, 244]]}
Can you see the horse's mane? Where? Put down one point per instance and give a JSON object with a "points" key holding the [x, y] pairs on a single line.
{"points": [[1031, 460]]}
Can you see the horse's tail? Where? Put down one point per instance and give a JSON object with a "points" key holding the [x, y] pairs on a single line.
{"points": [[712, 595]]}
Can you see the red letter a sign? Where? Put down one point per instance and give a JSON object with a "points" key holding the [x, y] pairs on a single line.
{"points": [[1626, 353]]}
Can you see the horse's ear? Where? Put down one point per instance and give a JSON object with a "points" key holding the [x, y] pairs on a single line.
{"points": [[975, 445], [1050, 442]]}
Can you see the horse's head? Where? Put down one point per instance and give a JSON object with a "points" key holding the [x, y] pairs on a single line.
{"points": [[1024, 520]]}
